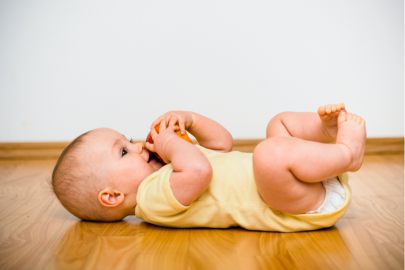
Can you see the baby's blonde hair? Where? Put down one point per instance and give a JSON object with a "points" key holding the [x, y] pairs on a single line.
{"points": [[76, 185]]}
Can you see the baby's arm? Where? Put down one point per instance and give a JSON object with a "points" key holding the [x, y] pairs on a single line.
{"points": [[208, 132], [192, 172]]}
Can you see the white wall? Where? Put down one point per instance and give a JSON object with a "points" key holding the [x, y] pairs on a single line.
{"points": [[70, 66]]}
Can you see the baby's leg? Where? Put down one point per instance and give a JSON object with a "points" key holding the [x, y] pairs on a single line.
{"points": [[288, 170], [317, 127]]}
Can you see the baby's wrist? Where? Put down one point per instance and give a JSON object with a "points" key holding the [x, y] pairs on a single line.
{"points": [[168, 149], [173, 146]]}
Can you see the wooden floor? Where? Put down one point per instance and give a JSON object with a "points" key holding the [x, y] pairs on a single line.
{"points": [[37, 233]]}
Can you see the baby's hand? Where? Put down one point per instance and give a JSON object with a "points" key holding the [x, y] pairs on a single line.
{"points": [[161, 139], [183, 118]]}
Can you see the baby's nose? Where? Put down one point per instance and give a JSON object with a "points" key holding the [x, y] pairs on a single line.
{"points": [[139, 147]]}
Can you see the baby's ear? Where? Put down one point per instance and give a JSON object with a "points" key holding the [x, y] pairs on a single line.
{"points": [[110, 197]]}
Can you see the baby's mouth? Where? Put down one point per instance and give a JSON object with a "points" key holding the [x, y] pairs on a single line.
{"points": [[151, 156]]}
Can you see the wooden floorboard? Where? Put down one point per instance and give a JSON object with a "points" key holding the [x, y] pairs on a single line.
{"points": [[52, 150], [37, 233]]}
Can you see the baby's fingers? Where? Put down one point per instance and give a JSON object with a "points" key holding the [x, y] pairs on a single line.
{"points": [[155, 123], [158, 120], [172, 121], [150, 147], [162, 125], [174, 128], [167, 119], [153, 133], [182, 126]]}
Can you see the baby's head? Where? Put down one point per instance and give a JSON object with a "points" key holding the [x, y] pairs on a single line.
{"points": [[97, 175]]}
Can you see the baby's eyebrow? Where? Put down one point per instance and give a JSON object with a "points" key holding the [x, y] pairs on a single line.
{"points": [[117, 142]]}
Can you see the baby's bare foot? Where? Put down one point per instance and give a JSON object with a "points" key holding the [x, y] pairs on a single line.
{"points": [[352, 134], [328, 115]]}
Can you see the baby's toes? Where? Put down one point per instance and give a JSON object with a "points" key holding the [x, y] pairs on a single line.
{"points": [[349, 116], [322, 110], [341, 118], [340, 107], [335, 114], [359, 119]]}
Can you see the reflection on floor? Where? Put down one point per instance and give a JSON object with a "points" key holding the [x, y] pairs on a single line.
{"points": [[37, 233]]}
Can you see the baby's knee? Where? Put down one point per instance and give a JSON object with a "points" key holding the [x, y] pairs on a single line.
{"points": [[271, 160], [274, 150]]}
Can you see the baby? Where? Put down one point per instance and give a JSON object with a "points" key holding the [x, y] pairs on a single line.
{"points": [[293, 181]]}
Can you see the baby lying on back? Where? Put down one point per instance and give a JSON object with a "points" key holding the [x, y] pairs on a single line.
{"points": [[294, 180]]}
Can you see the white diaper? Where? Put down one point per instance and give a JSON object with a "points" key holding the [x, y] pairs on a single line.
{"points": [[335, 196]]}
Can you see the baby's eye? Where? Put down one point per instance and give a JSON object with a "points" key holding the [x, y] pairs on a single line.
{"points": [[124, 152]]}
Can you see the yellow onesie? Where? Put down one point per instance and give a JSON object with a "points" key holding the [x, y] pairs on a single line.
{"points": [[231, 200]]}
